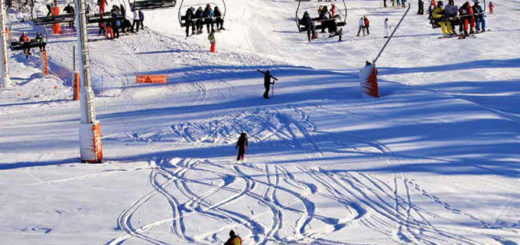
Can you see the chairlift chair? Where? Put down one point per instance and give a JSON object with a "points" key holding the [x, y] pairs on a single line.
{"points": [[302, 27], [49, 20], [102, 17], [15, 44], [182, 10], [151, 4]]}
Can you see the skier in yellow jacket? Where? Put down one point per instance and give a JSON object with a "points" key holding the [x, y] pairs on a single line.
{"points": [[439, 17]]}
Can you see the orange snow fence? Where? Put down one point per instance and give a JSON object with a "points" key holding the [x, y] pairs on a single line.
{"points": [[368, 76], [56, 28], [76, 85], [150, 79], [45, 63]]}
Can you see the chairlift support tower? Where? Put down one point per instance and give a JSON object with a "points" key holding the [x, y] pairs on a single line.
{"points": [[89, 131], [4, 65]]}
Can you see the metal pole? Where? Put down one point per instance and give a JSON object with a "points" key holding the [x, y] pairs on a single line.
{"points": [[90, 129], [4, 66], [87, 98], [73, 58], [390, 37]]}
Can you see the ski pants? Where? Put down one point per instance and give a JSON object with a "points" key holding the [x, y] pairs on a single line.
{"points": [[445, 27], [481, 23], [241, 153], [361, 28], [134, 24]]}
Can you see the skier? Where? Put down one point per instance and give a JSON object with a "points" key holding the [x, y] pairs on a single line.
{"points": [[218, 18], [387, 28], [384, 3], [41, 42], [199, 15], [241, 145], [309, 26], [109, 30], [212, 41], [325, 17], [421, 7], [479, 17], [361, 26], [135, 22], [207, 18], [189, 22], [367, 24], [141, 19], [69, 10], [116, 22], [439, 17], [26, 44], [102, 30], [267, 82], [451, 12], [333, 11], [102, 4], [233, 239], [49, 9], [491, 7]]}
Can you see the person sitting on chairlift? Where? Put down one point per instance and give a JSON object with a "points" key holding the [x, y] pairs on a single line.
{"points": [[26, 44], [218, 18], [41, 41]]}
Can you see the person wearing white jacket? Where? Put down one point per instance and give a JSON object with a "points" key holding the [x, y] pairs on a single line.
{"points": [[387, 28], [361, 26]]}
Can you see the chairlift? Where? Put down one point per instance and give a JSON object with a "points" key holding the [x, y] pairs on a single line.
{"points": [[182, 10], [52, 19], [102, 17], [15, 44], [342, 22], [151, 4]]}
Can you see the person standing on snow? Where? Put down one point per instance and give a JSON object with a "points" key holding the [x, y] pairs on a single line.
{"points": [[267, 83], [361, 26], [387, 28], [141, 19], [233, 239], [212, 41], [241, 145], [135, 20], [367, 24], [420, 7], [491, 7]]}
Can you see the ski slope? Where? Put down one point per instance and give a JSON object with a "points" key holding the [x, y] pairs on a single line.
{"points": [[435, 160]]}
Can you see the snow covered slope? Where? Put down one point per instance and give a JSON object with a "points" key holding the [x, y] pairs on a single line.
{"points": [[435, 160]]}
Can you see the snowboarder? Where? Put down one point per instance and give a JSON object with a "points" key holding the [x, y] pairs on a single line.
{"points": [[439, 17], [212, 41], [233, 239], [26, 44], [361, 26], [421, 7], [491, 7], [387, 28], [218, 18], [267, 82], [367, 24], [41, 42], [242, 145], [479, 17]]}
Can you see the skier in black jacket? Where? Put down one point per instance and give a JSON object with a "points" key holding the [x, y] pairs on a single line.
{"points": [[242, 145], [267, 83], [218, 18], [189, 21]]}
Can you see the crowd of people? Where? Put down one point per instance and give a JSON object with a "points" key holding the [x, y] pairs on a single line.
{"points": [[119, 23], [328, 20], [470, 19], [196, 19], [26, 43]]}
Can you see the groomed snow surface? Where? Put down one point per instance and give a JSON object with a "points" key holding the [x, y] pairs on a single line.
{"points": [[435, 160]]}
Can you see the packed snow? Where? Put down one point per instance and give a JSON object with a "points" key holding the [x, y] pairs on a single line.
{"points": [[434, 160]]}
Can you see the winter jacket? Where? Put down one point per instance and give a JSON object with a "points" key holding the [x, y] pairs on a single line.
{"points": [[24, 38], [438, 13], [211, 38], [136, 14], [236, 240], [242, 142], [362, 22], [367, 22], [217, 12], [477, 9], [451, 11], [141, 15]]}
